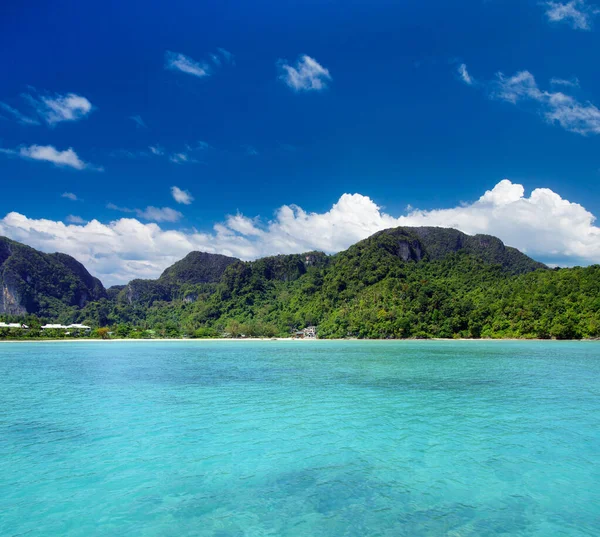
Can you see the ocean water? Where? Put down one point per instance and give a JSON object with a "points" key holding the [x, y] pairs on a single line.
{"points": [[303, 439]]}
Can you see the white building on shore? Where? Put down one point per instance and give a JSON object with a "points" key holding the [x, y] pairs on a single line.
{"points": [[65, 327]]}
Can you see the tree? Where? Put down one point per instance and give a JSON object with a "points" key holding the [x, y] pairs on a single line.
{"points": [[103, 333]]}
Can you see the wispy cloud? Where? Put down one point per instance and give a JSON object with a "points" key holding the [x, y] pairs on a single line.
{"points": [[154, 214], [57, 108], [203, 68], [250, 150], [180, 62], [464, 74], [69, 196], [157, 214], [198, 146], [181, 158], [221, 57], [73, 219], [139, 122], [227, 56], [51, 108], [555, 107], [571, 83], [577, 13], [181, 196], [67, 158], [185, 156], [21, 118], [305, 75], [125, 153]]}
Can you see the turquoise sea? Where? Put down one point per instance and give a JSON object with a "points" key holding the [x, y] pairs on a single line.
{"points": [[303, 439]]}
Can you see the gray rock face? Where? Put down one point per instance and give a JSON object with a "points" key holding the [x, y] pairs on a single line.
{"points": [[409, 250], [10, 302]]}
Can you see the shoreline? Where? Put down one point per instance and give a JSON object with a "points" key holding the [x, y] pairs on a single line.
{"points": [[233, 340]]}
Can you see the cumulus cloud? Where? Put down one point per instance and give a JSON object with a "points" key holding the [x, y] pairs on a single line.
{"points": [[156, 150], [543, 224], [73, 219], [69, 196], [577, 13], [464, 74], [306, 75], [67, 158], [181, 196]]}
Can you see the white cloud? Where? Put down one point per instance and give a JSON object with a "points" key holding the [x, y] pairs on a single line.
{"points": [[185, 64], [181, 158], [521, 85], [49, 153], [306, 75], [577, 14], [69, 196], [51, 108], [555, 107], [57, 108], [156, 150], [139, 122], [180, 62], [73, 219], [543, 224], [242, 225], [181, 196], [464, 74], [571, 83]]}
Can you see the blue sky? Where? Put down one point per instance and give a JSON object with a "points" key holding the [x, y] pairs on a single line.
{"points": [[253, 107]]}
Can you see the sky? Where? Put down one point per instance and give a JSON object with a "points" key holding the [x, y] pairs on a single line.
{"points": [[132, 133]]}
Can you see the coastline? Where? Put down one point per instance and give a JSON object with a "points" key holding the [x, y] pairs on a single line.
{"points": [[233, 340]]}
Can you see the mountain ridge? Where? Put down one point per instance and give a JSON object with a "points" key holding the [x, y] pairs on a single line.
{"points": [[398, 283], [199, 271]]}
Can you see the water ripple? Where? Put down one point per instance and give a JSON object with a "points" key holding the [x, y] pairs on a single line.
{"points": [[278, 439]]}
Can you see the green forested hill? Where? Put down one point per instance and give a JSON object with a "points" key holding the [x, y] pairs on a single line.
{"points": [[399, 283], [44, 284]]}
